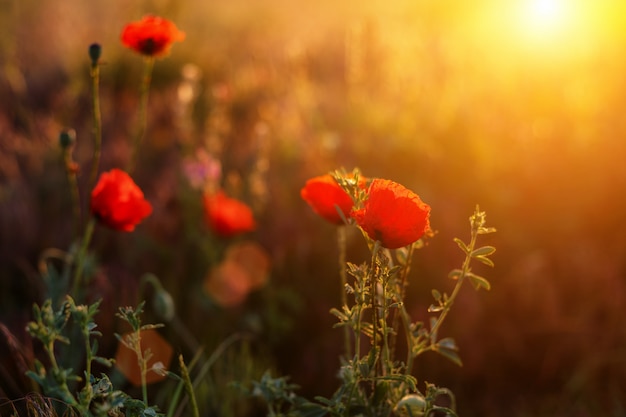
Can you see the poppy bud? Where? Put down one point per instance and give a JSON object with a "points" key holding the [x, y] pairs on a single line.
{"points": [[67, 138], [411, 405], [95, 50], [163, 305]]}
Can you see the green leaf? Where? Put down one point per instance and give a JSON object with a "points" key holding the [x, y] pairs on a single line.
{"points": [[451, 355], [402, 255], [324, 400], [448, 348], [433, 335], [339, 314], [483, 251], [364, 369], [462, 245], [372, 357], [448, 343], [407, 379], [478, 281], [312, 410], [152, 326], [485, 260], [35, 378], [436, 295], [435, 309], [455, 274], [104, 361]]}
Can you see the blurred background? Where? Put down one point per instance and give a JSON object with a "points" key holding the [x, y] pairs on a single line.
{"points": [[515, 106]]}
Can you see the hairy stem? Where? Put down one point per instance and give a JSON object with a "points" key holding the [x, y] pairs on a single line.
{"points": [[70, 169], [143, 111], [82, 253], [398, 314], [97, 122], [373, 295], [341, 240], [188, 386]]}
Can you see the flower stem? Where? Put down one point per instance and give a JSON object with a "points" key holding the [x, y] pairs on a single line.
{"points": [[410, 355], [82, 253], [134, 343], [70, 169], [188, 386], [386, 359], [400, 290], [373, 296], [89, 359], [144, 365], [97, 122], [341, 240], [143, 110]]}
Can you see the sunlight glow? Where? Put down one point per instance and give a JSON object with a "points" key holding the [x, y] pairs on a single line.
{"points": [[542, 19]]}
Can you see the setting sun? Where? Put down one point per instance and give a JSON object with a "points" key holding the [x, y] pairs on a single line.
{"points": [[544, 17]]}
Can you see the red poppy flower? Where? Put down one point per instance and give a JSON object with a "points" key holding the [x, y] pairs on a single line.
{"points": [[151, 36], [117, 202], [324, 196], [227, 216], [393, 214]]}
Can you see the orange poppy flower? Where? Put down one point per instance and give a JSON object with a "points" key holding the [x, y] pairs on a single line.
{"points": [[324, 196], [227, 216], [393, 214], [117, 202], [151, 36], [245, 268], [253, 258], [228, 284]]}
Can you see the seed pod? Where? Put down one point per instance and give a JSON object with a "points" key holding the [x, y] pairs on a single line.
{"points": [[411, 405]]}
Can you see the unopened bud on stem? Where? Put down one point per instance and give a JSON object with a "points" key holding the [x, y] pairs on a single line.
{"points": [[95, 50], [67, 138]]}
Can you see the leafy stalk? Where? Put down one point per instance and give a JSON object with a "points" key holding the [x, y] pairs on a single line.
{"points": [[477, 222]]}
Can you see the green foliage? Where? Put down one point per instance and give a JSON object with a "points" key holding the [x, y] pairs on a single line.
{"points": [[279, 394], [376, 383], [97, 396]]}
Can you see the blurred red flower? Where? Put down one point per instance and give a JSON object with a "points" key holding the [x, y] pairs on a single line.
{"points": [[253, 258], [245, 268], [151, 36], [393, 214], [117, 202], [324, 195], [227, 216], [228, 284]]}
